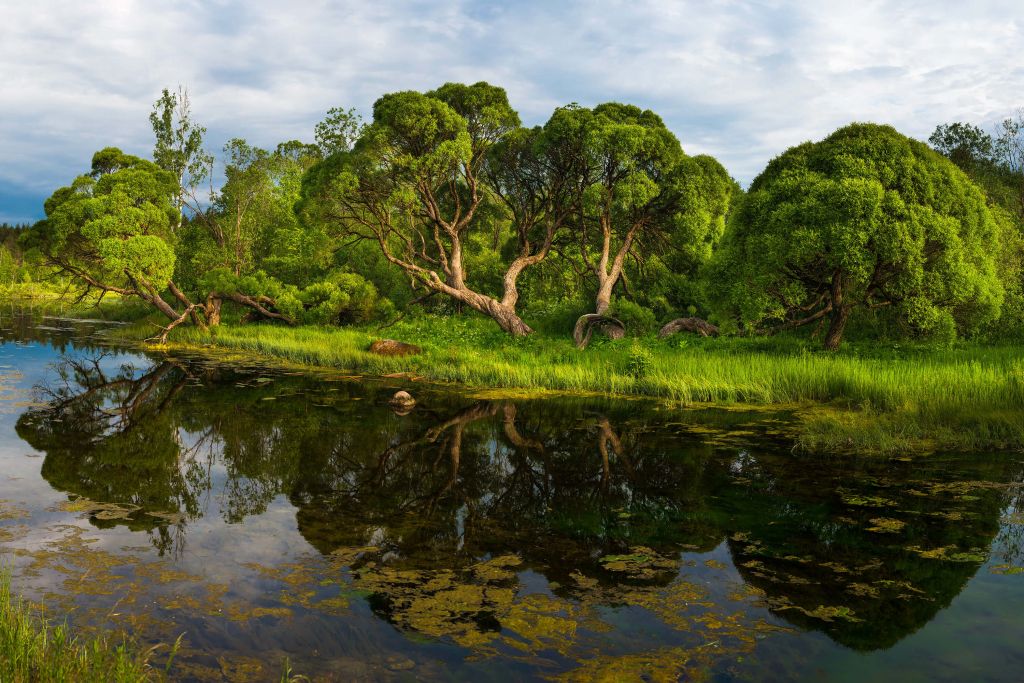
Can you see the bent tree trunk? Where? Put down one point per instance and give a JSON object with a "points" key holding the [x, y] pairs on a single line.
{"points": [[503, 314], [599, 320], [697, 325]]}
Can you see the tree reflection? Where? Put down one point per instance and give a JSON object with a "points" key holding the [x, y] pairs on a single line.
{"points": [[451, 501]]}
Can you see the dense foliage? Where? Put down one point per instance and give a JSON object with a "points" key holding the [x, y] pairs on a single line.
{"points": [[865, 218], [596, 221]]}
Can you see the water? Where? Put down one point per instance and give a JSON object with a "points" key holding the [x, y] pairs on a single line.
{"points": [[268, 515]]}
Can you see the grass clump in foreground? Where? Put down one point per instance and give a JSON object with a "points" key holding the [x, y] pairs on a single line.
{"points": [[876, 397], [33, 651]]}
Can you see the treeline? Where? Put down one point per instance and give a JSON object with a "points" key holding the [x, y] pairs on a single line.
{"points": [[595, 222], [15, 269]]}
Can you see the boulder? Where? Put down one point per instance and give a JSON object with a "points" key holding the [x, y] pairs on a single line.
{"points": [[402, 402], [392, 347]]}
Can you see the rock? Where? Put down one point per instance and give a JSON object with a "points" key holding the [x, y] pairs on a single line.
{"points": [[400, 663], [402, 402], [392, 347]]}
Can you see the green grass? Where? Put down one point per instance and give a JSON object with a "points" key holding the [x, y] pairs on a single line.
{"points": [[879, 397], [34, 651]]}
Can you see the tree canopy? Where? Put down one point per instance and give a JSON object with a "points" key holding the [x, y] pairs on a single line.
{"points": [[446, 202], [865, 218]]}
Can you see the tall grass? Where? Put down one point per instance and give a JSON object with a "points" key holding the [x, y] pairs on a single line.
{"points": [[33, 651], [980, 388]]}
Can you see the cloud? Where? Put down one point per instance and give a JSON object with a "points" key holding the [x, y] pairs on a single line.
{"points": [[740, 80]]}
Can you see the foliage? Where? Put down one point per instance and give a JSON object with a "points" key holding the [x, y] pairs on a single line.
{"points": [[865, 218], [112, 227], [179, 147], [32, 650]]}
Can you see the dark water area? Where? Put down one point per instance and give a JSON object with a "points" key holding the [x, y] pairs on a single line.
{"points": [[269, 515]]}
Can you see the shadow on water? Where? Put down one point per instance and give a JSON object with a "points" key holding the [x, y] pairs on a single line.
{"points": [[519, 529]]}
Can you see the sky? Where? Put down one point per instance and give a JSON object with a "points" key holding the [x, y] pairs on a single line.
{"points": [[742, 81]]}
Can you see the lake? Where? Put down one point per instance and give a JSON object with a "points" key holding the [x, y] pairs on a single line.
{"points": [[271, 516]]}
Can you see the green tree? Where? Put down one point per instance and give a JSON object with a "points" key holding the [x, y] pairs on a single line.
{"points": [[338, 131], [996, 164], [965, 144], [111, 230], [865, 218], [627, 193], [418, 179], [179, 148], [1009, 154]]}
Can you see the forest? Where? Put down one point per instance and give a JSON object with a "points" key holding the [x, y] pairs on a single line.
{"points": [[505, 251]]}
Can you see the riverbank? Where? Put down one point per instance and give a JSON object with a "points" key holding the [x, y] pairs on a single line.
{"points": [[870, 397], [32, 650], [876, 398]]}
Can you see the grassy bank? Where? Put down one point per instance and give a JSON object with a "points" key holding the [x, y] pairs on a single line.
{"points": [[33, 651], [874, 397]]}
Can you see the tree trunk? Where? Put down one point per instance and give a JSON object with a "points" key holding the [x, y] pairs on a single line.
{"points": [[213, 304], [506, 317], [698, 325], [586, 324], [510, 322], [603, 301], [834, 337], [840, 313]]}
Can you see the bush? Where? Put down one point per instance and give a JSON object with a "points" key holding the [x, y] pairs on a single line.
{"points": [[637, 319], [638, 361]]}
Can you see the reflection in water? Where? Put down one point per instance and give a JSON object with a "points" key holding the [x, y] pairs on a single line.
{"points": [[562, 536]]}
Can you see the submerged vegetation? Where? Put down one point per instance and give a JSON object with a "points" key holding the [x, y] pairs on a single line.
{"points": [[34, 651]]}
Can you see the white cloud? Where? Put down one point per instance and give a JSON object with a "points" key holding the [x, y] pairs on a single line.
{"points": [[740, 80]]}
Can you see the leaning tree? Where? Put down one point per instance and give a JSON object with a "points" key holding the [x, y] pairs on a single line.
{"points": [[112, 231], [866, 218]]}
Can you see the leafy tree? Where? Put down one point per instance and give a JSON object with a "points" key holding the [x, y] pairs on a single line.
{"points": [[625, 194], [639, 198], [338, 131], [111, 230], [179, 148], [996, 164], [965, 144], [417, 182], [670, 281], [1009, 155], [866, 218]]}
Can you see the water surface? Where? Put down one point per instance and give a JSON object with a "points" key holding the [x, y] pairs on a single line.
{"points": [[269, 515]]}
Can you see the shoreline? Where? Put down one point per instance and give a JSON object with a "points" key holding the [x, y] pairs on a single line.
{"points": [[873, 399]]}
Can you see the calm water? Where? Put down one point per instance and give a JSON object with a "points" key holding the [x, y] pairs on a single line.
{"points": [[268, 515]]}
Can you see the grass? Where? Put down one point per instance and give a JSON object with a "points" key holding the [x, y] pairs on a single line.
{"points": [[876, 397], [34, 651]]}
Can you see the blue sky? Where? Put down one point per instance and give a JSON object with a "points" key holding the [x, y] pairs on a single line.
{"points": [[739, 80]]}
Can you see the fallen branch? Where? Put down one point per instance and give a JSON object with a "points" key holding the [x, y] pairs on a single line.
{"points": [[696, 325]]}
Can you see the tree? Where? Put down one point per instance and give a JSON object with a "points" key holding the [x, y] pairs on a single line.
{"points": [[111, 231], [338, 131], [179, 148], [1009, 155], [996, 164], [866, 218], [625, 194], [418, 177], [965, 144]]}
